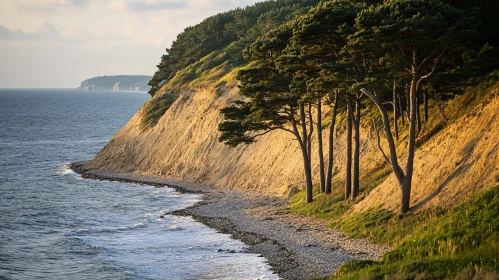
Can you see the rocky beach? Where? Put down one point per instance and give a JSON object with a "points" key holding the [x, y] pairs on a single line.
{"points": [[295, 246]]}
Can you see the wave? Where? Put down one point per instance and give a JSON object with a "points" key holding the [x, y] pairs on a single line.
{"points": [[174, 227], [65, 170], [87, 231], [74, 232], [84, 231], [132, 226]]}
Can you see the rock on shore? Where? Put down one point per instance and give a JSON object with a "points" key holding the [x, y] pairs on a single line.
{"points": [[296, 247]]}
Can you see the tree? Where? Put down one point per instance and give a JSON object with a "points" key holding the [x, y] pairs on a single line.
{"points": [[419, 33], [276, 99], [319, 36]]}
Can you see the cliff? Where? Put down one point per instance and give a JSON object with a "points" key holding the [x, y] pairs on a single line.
{"points": [[459, 159], [450, 226], [175, 134], [116, 83]]}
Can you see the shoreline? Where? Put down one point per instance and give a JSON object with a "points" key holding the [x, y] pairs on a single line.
{"points": [[295, 247]]}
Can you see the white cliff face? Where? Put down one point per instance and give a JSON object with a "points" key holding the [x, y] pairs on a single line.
{"points": [[184, 146], [116, 83]]}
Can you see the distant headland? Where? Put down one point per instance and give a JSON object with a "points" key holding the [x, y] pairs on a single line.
{"points": [[120, 82]]}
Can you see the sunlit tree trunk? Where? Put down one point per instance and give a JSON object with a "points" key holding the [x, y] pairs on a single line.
{"points": [[303, 141], [348, 177], [331, 146], [319, 140]]}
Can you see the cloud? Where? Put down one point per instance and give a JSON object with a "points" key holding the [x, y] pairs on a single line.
{"points": [[78, 3], [51, 5], [117, 5], [45, 31], [155, 5], [217, 4], [48, 32]]}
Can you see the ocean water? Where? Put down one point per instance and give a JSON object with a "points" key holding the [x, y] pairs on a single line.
{"points": [[56, 225]]}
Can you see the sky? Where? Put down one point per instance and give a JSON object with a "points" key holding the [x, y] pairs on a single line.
{"points": [[59, 43]]}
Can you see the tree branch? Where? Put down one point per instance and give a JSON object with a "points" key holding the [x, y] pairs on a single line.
{"points": [[425, 60], [379, 141], [265, 132], [434, 68], [389, 136], [286, 129], [295, 131]]}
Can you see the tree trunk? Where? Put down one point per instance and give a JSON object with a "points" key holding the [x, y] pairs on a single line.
{"points": [[425, 100], [356, 156], [441, 108], [306, 157], [331, 146], [310, 133], [418, 115], [319, 140], [406, 195], [408, 105], [402, 115], [406, 186], [395, 111], [348, 177], [397, 170]]}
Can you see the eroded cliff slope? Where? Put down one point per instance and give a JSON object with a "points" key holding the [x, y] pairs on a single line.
{"points": [[460, 159]]}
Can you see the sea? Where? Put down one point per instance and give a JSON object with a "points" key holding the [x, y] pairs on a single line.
{"points": [[56, 225]]}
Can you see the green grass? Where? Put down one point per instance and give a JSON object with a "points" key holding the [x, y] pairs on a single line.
{"points": [[219, 88], [212, 68], [460, 243], [329, 207], [333, 206], [385, 227], [155, 109]]}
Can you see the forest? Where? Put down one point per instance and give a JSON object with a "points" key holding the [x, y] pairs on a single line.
{"points": [[374, 63]]}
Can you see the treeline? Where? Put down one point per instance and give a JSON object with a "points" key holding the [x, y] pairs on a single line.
{"points": [[395, 55], [241, 25], [245, 25]]}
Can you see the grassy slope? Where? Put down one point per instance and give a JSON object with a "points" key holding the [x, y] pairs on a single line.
{"points": [[216, 70], [460, 243], [440, 243]]}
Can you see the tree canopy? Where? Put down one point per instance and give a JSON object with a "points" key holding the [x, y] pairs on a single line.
{"points": [[216, 32], [357, 49]]}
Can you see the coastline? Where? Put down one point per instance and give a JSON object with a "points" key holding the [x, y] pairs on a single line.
{"points": [[295, 247]]}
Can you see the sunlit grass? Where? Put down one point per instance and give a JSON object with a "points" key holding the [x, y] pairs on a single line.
{"points": [[333, 206], [462, 242]]}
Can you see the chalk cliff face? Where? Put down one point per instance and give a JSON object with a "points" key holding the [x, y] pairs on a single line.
{"points": [[121, 82], [458, 160]]}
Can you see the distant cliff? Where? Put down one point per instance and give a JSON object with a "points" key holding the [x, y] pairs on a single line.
{"points": [[121, 82]]}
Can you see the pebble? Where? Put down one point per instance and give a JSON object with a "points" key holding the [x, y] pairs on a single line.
{"points": [[296, 247]]}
